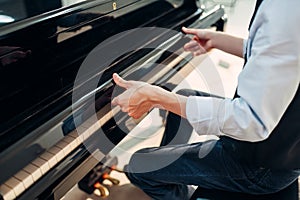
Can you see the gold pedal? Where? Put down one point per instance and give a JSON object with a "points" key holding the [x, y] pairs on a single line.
{"points": [[100, 190], [111, 179]]}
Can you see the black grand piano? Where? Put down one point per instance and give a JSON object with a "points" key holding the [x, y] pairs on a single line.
{"points": [[42, 46]]}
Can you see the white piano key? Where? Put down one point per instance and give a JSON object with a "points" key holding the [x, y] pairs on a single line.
{"points": [[42, 164], [81, 134], [59, 154], [16, 185], [90, 128], [34, 171], [64, 146], [7, 192], [25, 178], [90, 131], [52, 161], [71, 141], [73, 134], [88, 123]]}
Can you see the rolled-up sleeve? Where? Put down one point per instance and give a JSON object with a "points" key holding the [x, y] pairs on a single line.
{"points": [[215, 116], [203, 113]]}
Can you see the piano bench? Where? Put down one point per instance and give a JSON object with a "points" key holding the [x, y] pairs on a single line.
{"points": [[289, 193]]}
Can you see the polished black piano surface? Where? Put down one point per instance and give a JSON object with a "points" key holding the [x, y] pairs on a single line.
{"points": [[42, 46]]}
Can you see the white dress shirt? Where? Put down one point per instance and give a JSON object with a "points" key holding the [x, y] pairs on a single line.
{"points": [[266, 85]]}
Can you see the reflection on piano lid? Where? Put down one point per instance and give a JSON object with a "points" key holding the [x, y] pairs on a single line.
{"points": [[40, 148], [23, 9]]}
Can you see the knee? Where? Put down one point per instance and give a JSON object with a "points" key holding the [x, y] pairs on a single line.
{"points": [[135, 170], [132, 177], [140, 160]]}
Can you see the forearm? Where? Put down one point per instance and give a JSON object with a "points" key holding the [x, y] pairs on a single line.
{"points": [[170, 101], [228, 43]]}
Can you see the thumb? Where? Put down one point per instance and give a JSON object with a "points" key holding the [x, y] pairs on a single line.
{"points": [[120, 82]]}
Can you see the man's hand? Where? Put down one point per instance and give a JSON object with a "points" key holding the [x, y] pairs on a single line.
{"points": [[201, 42], [204, 40], [140, 97], [136, 99]]}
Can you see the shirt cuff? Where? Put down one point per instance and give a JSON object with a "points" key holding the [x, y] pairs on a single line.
{"points": [[202, 114]]}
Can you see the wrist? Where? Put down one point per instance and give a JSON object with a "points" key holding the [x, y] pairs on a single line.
{"points": [[215, 39], [163, 99], [156, 94]]}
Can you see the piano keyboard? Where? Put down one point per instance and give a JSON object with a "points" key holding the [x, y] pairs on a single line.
{"points": [[30, 174]]}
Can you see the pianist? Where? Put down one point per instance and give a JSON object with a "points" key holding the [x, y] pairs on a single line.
{"points": [[258, 149]]}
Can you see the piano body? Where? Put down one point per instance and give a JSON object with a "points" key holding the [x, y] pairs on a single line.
{"points": [[42, 46]]}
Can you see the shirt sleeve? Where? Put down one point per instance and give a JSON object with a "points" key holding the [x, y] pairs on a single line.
{"points": [[267, 84], [245, 46]]}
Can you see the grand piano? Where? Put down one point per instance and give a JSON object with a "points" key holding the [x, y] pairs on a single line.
{"points": [[50, 140]]}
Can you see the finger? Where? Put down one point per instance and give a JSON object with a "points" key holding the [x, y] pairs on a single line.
{"points": [[135, 115], [137, 112], [120, 82], [198, 53], [120, 101], [115, 101], [194, 49], [198, 49], [124, 109], [191, 31], [198, 33], [191, 46]]}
